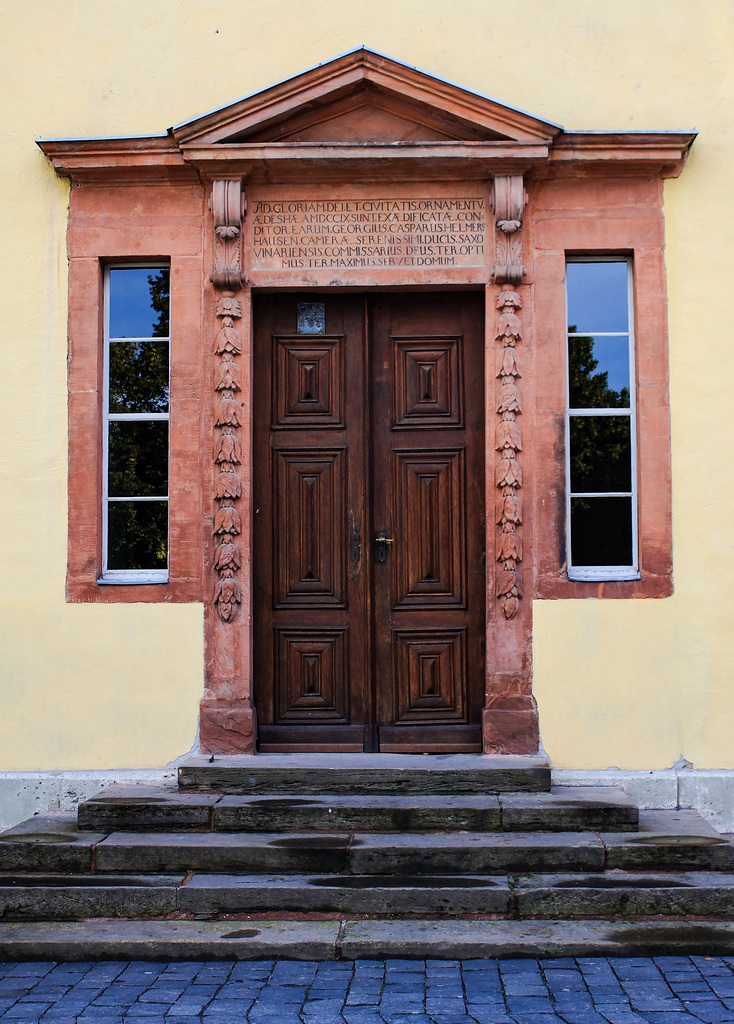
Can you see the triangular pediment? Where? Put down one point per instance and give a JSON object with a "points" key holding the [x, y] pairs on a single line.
{"points": [[363, 97], [365, 117]]}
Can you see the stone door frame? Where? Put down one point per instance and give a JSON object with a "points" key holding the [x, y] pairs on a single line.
{"points": [[509, 719]]}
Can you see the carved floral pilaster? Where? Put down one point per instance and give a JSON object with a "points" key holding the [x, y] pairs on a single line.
{"points": [[509, 203], [228, 208]]}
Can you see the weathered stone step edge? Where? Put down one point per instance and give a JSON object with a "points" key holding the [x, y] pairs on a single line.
{"points": [[71, 897], [666, 840], [695, 894], [256, 894], [141, 808], [622, 894], [351, 940], [274, 853], [452, 853], [619, 895], [354, 773]]}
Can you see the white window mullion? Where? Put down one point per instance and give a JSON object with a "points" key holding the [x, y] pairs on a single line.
{"points": [[136, 417], [144, 497]]}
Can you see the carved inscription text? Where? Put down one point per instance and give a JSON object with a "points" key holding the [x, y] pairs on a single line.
{"points": [[368, 233]]}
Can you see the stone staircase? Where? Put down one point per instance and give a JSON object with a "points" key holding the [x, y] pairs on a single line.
{"points": [[346, 856]]}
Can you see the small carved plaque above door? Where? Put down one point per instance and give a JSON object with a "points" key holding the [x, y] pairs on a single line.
{"points": [[311, 318]]}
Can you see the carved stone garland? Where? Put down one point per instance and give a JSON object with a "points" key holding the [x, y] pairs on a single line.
{"points": [[509, 202], [228, 207]]}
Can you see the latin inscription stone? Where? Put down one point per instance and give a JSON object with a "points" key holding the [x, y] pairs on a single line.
{"points": [[368, 233]]}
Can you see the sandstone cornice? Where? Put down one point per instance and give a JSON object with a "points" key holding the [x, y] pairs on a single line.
{"points": [[572, 154]]}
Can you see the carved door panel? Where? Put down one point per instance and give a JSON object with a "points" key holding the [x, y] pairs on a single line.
{"points": [[428, 499], [311, 633], [372, 428]]}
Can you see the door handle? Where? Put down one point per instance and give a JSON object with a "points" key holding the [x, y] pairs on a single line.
{"points": [[381, 543], [355, 547]]}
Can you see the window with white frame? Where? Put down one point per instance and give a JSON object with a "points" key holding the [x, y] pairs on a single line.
{"points": [[601, 491], [136, 411]]}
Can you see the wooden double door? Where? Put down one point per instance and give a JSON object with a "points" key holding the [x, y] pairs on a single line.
{"points": [[369, 521]]}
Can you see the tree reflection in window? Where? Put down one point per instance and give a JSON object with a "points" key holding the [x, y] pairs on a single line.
{"points": [[600, 445], [160, 300], [138, 376], [588, 386]]}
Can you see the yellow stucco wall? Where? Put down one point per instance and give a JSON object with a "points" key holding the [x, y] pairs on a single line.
{"points": [[632, 684]]}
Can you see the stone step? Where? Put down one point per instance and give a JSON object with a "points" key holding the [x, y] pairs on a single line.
{"points": [[147, 807], [607, 895], [72, 897], [568, 808], [552, 896], [378, 895], [354, 940], [49, 842], [264, 853], [468, 940], [664, 841], [625, 894], [416, 853], [452, 774], [120, 808], [668, 841], [483, 853]]}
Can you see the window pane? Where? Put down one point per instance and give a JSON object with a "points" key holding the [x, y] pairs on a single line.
{"points": [[139, 376], [139, 300], [138, 458], [137, 535], [600, 454], [601, 531], [597, 297], [598, 372]]}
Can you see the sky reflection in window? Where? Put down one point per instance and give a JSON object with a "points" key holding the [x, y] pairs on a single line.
{"points": [[597, 297], [599, 372], [139, 298]]}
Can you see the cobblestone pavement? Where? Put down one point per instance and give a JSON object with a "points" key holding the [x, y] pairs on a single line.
{"points": [[591, 990]]}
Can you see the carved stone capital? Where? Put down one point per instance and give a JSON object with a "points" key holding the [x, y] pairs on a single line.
{"points": [[509, 201], [228, 210], [508, 198]]}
